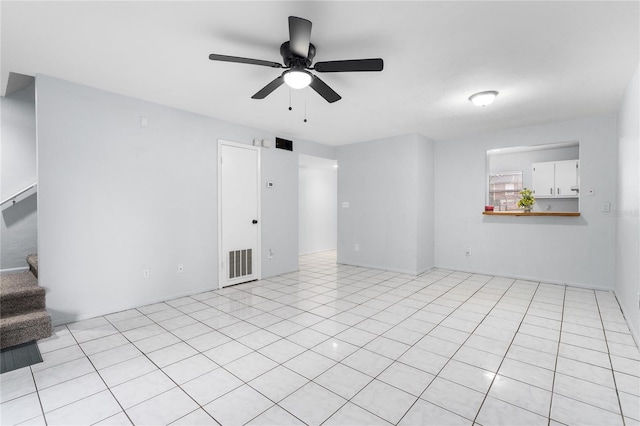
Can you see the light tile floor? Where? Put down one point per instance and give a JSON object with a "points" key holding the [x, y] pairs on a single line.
{"points": [[342, 345]]}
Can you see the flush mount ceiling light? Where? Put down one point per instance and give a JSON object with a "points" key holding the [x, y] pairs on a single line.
{"points": [[297, 78], [483, 98]]}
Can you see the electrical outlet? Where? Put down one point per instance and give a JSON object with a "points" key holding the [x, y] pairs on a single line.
{"points": [[145, 273], [271, 254], [468, 251], [180, 269], [356, 247]]}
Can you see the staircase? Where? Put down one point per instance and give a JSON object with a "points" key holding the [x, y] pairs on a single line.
{"points": [[23, 317]]}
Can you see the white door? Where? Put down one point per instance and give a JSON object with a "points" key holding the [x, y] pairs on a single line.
{"points": [[238, 213]]}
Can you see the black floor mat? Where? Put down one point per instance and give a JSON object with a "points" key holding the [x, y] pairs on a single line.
{"points": [[19, 356]]}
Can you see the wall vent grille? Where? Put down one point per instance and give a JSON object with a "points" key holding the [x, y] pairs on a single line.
{"points": [[240, 263]]}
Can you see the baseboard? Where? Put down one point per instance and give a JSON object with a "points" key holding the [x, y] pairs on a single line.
{"points": [[379, 268], [526, 278], [316, 251], [67, 319], [425, 270], [13, 270]]}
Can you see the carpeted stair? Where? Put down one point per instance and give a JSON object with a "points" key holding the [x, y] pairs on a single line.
{"points": [[32, 260], [23, 317]]}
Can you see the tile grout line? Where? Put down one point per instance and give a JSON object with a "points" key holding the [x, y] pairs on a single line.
{"points": [[362, 347], [257, 350], [555, 367], [595, 383], [606, 342], [504, 292], [395, 360], [101, 378], [178, 386], [359, 347], [435, 376], [232, 339], [71, 379], [134, 378], [347, 401], [328, 338], [460, 346], [524, 314], [35, 385]]}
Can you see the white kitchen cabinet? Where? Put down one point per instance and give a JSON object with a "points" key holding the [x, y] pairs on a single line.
{"points": [[543, 179], [556, 179]]}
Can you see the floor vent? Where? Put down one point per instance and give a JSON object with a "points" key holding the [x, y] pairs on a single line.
{"points": [[240, 263]]}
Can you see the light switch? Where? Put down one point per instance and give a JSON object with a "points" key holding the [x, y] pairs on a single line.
{"points": [[606, 207]]}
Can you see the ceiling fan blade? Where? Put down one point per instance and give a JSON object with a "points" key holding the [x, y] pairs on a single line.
{"points": [[225, 58], [323, 90], [299, 36], [350, 65], [266, 90]]}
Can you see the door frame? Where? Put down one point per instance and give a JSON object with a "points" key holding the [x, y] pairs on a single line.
{"points": [[221, 257]]}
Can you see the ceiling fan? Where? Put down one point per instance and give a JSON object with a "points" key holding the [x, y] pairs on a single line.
{"points": [[297, 55]]}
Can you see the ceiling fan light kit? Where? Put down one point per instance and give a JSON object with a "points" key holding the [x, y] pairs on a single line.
{"points": [[483, 98], [297, 56], [297, 78]]}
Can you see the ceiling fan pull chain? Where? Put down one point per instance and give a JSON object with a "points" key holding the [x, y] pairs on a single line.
{"points": [[290, 99], [305, 105]]}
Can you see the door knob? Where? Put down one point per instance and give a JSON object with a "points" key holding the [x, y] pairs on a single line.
{"points": [[254, 221]]}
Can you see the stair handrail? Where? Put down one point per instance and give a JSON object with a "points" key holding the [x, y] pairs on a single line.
{"points": [[17, 194]]}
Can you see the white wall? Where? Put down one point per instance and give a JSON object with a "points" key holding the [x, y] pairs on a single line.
{"points": [[279, 211], [18, 232], [627, 212], [318, 209], [116, 198], [425, 156], [387, 184], [574, 250]]}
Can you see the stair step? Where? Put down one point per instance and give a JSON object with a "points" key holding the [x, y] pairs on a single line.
{"points": [[32, 260], [23, 328], [23, 317], [20, 293], [12, 285]]}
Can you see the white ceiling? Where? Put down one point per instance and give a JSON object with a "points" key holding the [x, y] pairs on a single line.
{"points": [[550, 61]]}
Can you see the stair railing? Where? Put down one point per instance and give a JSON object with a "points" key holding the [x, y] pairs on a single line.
{"points": [[17, 194]]}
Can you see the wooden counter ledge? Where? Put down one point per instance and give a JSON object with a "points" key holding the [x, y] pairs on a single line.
{"points": [[519, 213]]}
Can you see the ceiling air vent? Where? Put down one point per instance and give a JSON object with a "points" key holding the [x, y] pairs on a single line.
{"points": [[284, 144]]}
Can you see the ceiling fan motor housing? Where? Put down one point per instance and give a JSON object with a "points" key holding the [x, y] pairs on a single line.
{"points": [[293, 61]]}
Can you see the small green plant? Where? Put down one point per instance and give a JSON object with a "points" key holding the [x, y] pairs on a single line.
{"points": [[527, 199]]}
